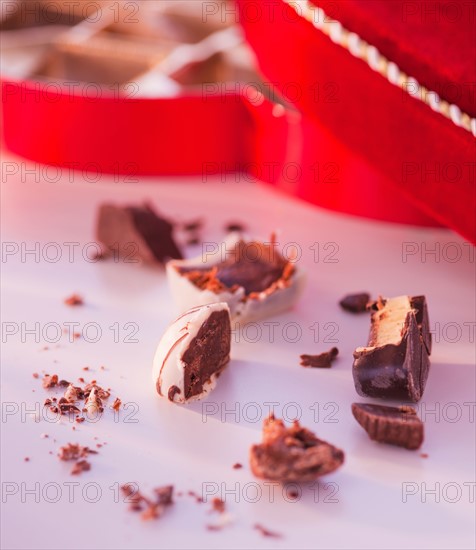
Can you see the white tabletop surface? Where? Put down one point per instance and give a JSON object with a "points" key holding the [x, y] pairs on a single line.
{"points": [[383, 497]]}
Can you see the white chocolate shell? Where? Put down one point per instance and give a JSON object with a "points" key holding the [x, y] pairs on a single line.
{"points": [[243, 309], [169, 367]]}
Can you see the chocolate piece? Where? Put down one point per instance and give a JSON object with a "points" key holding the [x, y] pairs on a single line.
{"points": [[321, 361], [395, 425], [292, 454], [355, 303], [252, 277], [136, 233], [192, 353], [395, 363], [237, 466]]}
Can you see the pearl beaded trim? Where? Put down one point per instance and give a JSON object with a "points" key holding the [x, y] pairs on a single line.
{"points": [[377, 62]]}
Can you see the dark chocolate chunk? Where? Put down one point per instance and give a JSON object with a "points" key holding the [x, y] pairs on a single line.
{"points": [[395, 425], [208, 353], [395, 363], [355, 303], [321, 361], [292, 454], [136, 233]]}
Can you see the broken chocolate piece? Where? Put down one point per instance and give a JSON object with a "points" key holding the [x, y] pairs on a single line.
{"points": [[395, 363], [355, 303], [136, 233], [321, 361], [192, 353], [251, 276], [395, 425], [292, 454]]}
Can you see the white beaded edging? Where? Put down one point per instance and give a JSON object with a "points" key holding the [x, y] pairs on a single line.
{"points": [[377, 62]]}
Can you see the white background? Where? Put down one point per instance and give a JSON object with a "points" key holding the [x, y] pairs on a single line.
{"points": [[181, 445]]}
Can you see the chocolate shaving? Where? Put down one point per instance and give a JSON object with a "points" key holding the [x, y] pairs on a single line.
{"points": [[321, 361]]}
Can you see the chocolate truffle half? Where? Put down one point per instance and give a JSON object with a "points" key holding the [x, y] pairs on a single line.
{"points": [[251, 276], [395, 425], [136, 233], [395, 363], [192, 353], [292, 454]]}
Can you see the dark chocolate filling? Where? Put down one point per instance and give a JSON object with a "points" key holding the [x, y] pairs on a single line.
{"points": [[208, 353], [254, 266]]}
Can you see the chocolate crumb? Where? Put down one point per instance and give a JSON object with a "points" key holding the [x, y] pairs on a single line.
{"points": [[26, 459], [321, 361], [80, 466], [424, 455], [214, 527], [117, 404], [218, 505], [266, 532], [36, 375], [74, 300], [355, 303], [237, 466], [50, 381], [74, 451]]}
